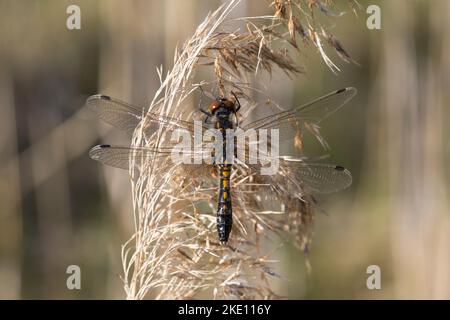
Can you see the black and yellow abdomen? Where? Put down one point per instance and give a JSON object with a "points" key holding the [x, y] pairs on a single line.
{"points": [[224, 207]]}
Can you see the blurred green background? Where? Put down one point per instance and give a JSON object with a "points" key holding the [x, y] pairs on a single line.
{"points": [[58, 207]]}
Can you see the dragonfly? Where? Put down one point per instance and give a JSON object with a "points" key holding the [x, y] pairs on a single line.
{"points": [[294, 176]]}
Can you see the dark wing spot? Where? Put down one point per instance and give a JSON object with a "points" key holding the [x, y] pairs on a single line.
{"points": [[341, 90], [339, 168], [104, 146]]}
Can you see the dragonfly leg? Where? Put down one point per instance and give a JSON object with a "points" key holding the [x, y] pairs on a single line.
{"points": [[200, 101], [208, 115], [237, 101]]}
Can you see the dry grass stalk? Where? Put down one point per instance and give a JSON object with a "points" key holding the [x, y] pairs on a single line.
{"points": [[174, 253]]}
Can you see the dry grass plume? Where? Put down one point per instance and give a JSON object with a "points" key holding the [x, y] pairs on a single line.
{"points": [[174, 252]]}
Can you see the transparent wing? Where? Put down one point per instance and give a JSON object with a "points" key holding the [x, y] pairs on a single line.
{"points": [[312, 112], [200, 176], [127, 117], [121, 156], [296, 177], [318, 177]]}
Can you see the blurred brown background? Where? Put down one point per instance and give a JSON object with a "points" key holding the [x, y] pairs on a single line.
{"points": [[58, 207]]}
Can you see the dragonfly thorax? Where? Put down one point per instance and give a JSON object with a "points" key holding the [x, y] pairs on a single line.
{"points": [[223, 119], [222, 106]]}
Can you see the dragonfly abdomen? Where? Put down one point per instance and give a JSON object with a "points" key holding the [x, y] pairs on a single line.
{"points": [[224, 207]]}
